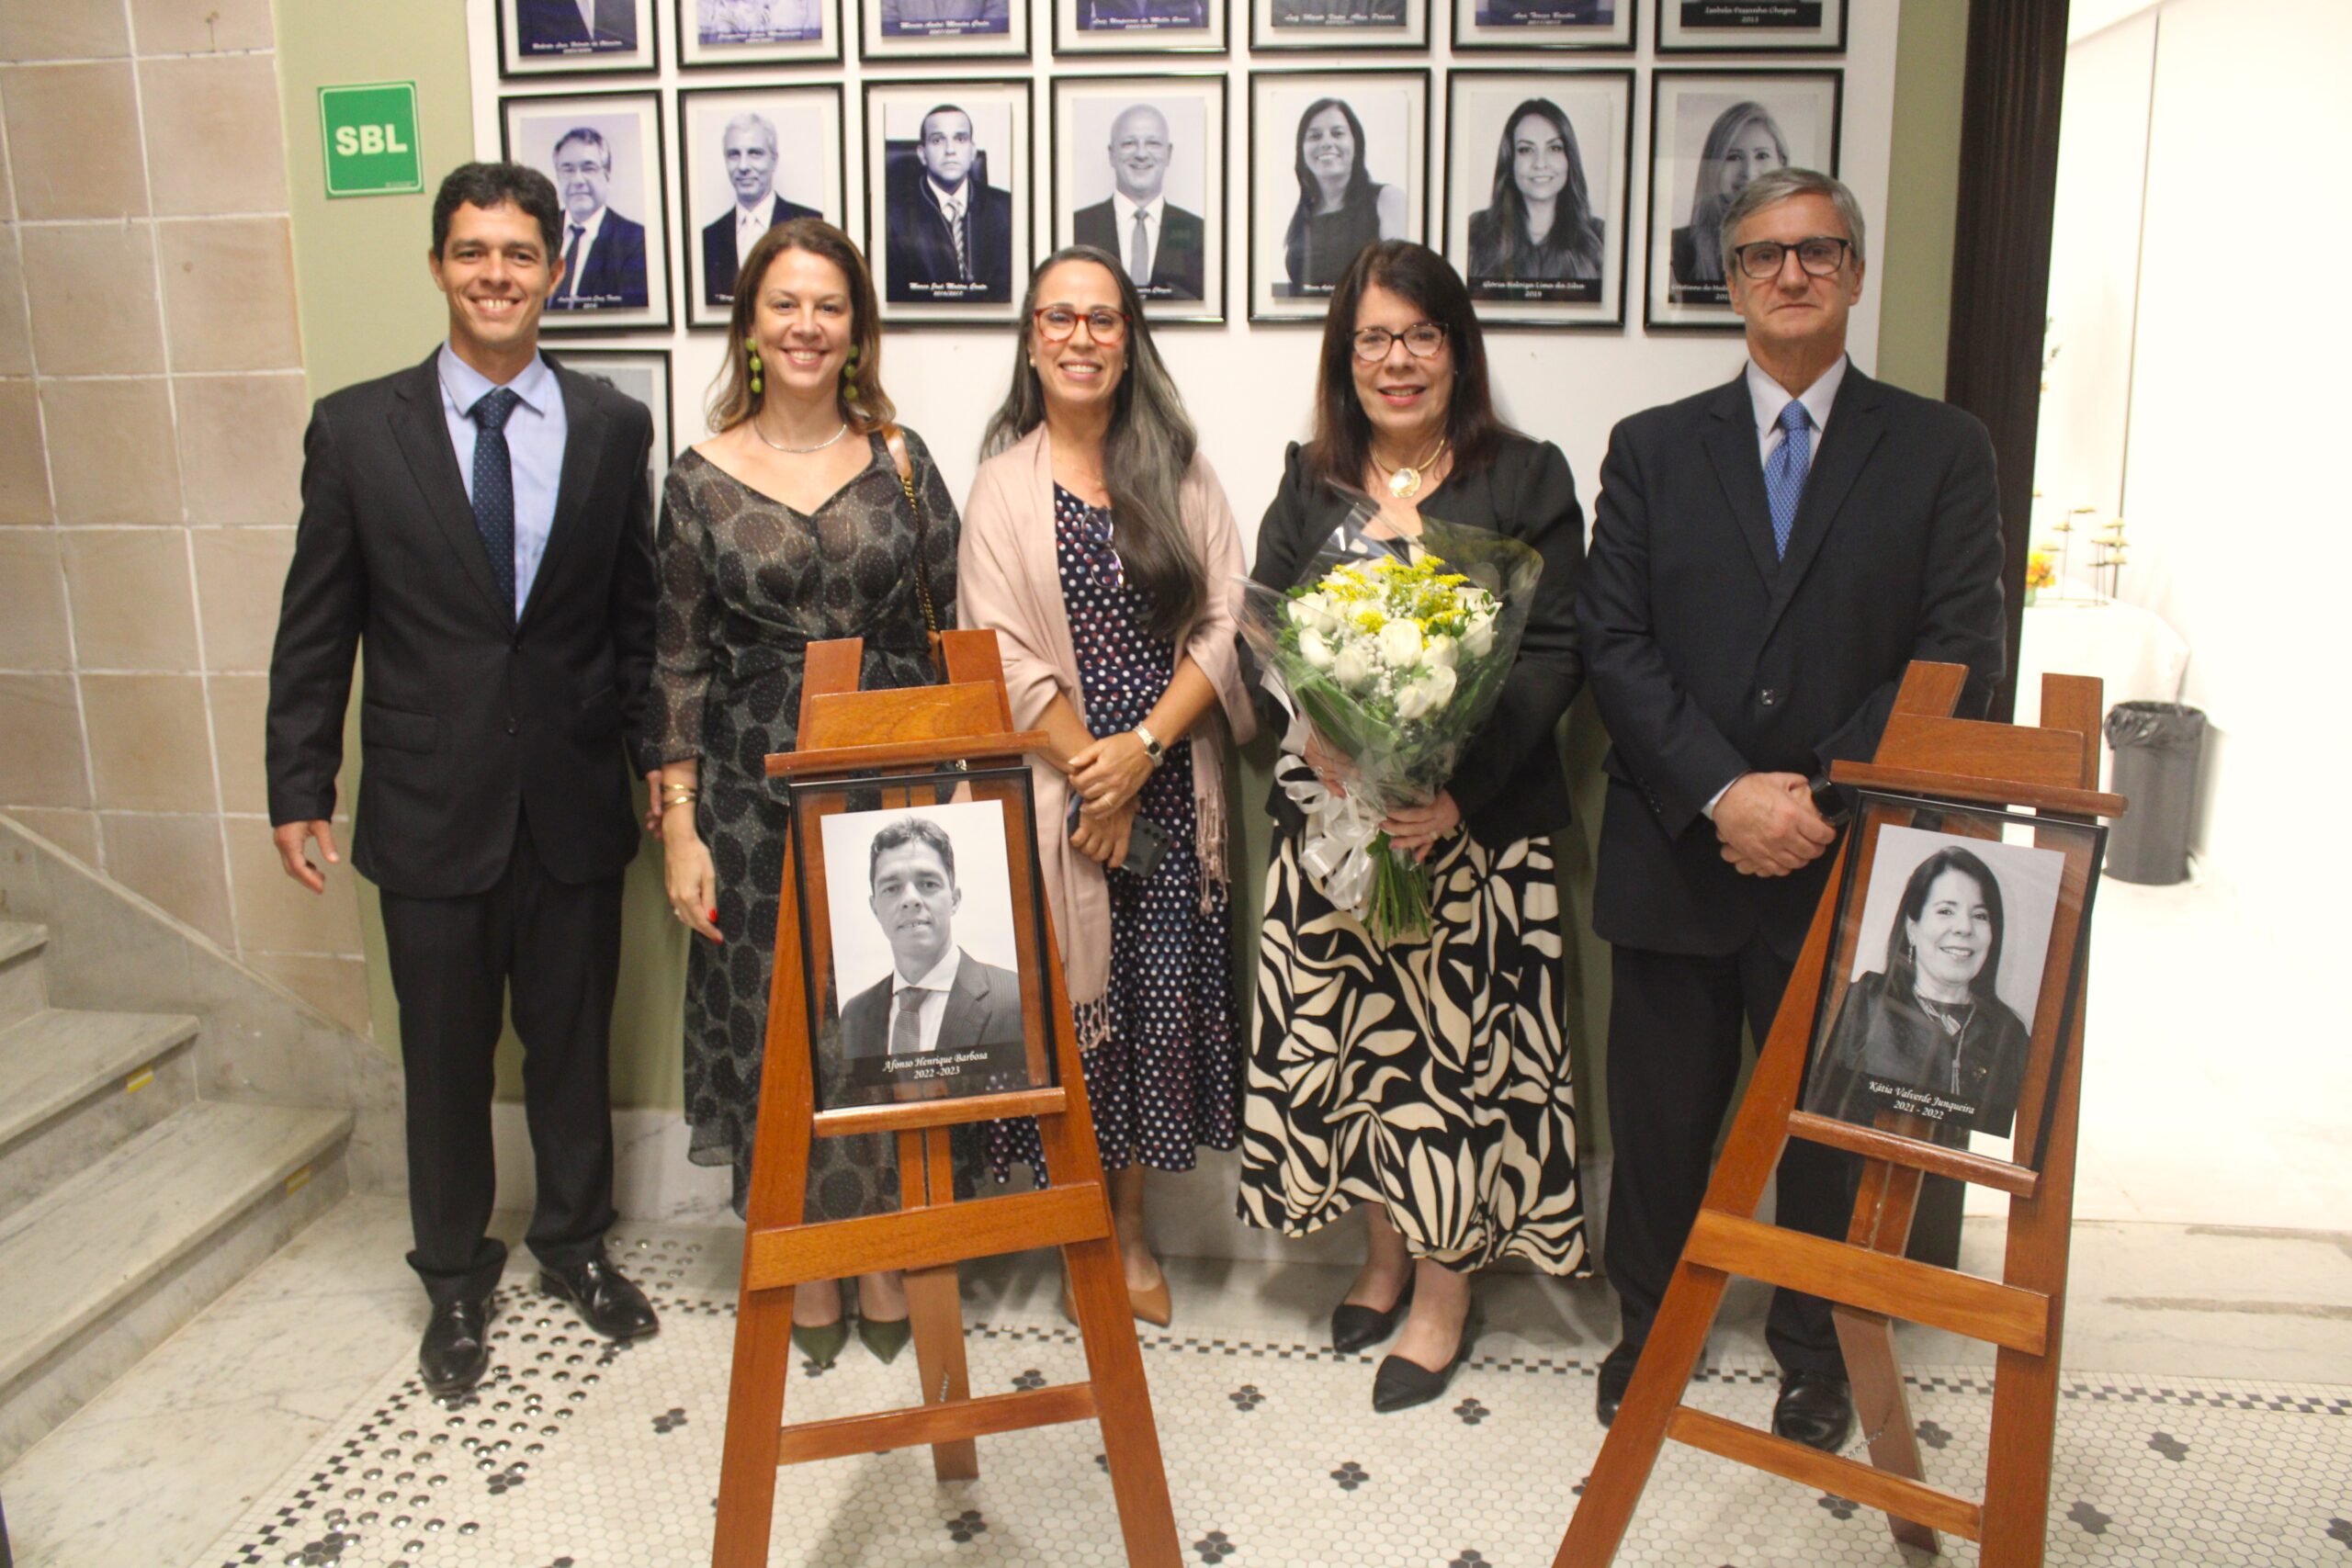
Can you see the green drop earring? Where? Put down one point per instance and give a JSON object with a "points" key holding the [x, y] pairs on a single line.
{"points": [[848, 376], [752, 352]]}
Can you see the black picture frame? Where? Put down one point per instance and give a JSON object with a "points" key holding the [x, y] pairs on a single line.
{"points": [[696, 53], [1351, 27], [828, 183], [613, 366], [1209, 89], [521, 59], [1143, 37], [1749, 27], [1015, 95], [1688, 302], [950, 42], [1499, 303], [526, 135], [1279, 97], [1542, 28]]}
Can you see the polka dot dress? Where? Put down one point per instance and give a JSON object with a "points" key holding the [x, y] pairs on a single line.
{"points": [[1168, 1078]]}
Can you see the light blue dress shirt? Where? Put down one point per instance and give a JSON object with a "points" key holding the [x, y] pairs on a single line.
{"points": [[535, 432]]}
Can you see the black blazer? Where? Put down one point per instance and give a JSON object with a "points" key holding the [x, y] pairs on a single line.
{"points": [[922, 249], [614, 278], [718, 248], [1177, 270], [554, 26], [984, 1009], [1509, 784], [468, 717], [1709, 658]]}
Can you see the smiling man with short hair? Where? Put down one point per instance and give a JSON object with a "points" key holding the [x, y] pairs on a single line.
{"points": [[1160, 244]]}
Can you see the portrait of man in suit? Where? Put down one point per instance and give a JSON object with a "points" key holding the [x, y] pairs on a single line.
{"points": [[749, 147], [1768, 557], [603, 252], [950, 233], [575, 27], [938, 1004], [477, 531], [1161, 244]]}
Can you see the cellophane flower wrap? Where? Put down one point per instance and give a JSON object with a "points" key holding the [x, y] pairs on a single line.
{"points": [[1396, 663]]}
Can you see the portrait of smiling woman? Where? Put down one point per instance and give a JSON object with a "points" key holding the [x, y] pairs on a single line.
{"points": [[1341, 209], [1539, 225]]}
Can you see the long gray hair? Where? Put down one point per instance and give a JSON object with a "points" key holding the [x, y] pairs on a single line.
{"points": [[1146, 453]]}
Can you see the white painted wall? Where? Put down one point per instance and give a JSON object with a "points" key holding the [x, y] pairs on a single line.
{"points": [[1249, 388]]}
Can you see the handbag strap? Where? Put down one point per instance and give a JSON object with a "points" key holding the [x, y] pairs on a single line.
{"points": [[896, 440]]}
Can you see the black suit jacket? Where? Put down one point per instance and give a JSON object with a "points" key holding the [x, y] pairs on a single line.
{"points": [[614, 278], [1509, 784], [1709, 658], [1177, 270], [718, 248], [468, 717], [984, 1009], [922, 249], [553, 26]]}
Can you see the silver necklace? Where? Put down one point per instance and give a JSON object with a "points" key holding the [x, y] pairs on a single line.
{"points": [[798, 451]]}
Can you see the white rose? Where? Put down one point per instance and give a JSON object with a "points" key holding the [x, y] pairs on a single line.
{"points": [[1352, 668], [1400, 643], [1440, 654], [1478, 636], [1413, 701], [1437, 687], [1315, 648]]}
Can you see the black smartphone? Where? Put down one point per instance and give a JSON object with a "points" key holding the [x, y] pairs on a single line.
{"points": [[1146, 841]]}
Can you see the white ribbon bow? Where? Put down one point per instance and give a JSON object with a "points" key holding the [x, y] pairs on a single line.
{"points": [[1337, 851]]}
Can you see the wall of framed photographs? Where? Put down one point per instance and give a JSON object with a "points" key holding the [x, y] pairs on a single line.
{"points": [[1448, 121]]}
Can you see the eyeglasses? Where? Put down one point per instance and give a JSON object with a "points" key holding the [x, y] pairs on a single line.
{"points": [[1105, 325], [1821, 256], [1421, 340]]}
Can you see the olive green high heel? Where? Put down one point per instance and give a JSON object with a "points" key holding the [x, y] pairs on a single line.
{"points": [[821, 1343]]}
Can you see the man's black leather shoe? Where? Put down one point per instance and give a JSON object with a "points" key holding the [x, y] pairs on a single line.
{"points": [[612, 1307], [1816, 1409], [1616, 1375], [456, 1351]]}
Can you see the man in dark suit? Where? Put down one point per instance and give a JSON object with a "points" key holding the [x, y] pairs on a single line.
{"points": [[750, 147], [1161, 244], [477, 527], [1765, 559], [575, 27], [937, 998], [950, 233], [603, 252]]}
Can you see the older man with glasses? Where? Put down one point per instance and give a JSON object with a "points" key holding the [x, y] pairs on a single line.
{"points": [[1767, 558]]}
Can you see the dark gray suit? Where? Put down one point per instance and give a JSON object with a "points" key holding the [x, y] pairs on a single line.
{"points": [[984, 1009], [1178, 269]]}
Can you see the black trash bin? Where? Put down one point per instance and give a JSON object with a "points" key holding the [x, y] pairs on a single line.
{"points": [[2157, 746]]}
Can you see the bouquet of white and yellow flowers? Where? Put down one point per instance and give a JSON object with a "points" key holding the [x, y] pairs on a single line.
{"points": [[1396, 663]]}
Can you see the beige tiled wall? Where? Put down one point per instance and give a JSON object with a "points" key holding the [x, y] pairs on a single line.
{"points": [[151, 403]]}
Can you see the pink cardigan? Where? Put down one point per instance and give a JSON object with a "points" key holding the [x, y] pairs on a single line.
{"points": [[1008, 579]]}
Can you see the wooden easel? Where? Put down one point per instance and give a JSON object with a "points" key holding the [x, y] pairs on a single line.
{"points": [[2055, 771], [844, 731]]}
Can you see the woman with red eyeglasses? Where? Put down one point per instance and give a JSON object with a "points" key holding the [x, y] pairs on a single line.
{"points": [[1098, 544]]}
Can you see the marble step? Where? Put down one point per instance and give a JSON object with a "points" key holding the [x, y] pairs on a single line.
{"points": [[75, 1085], [112, 1262], [23, 987]]}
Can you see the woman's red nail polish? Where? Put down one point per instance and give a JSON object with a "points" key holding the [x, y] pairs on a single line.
{"points": [[712, 916]]}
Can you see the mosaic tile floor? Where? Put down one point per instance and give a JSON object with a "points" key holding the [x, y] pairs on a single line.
{"points": [[576, 1454]]}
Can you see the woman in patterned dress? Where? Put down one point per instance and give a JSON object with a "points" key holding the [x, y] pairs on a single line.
{"points": [[1426, 1079], [786, 527], [1099, 546]]}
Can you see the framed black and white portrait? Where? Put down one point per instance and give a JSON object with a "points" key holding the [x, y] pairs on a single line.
{"points": [[943, 29], [751, 158], [565, 38], [1141, 26], [1711, 133], [1337, 160], [1751, 27], [1139, 169], [725, 34], [947, 197], [642, 373], [605, 154], [1538, 164], [1520, 24], [1350, 25]]}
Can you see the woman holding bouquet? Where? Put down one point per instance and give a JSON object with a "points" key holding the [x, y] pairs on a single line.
{"points": [[1098, 547], [1426, 1077]]}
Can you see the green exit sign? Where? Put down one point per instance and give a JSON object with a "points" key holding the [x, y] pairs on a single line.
{"points": [[370, 137]]}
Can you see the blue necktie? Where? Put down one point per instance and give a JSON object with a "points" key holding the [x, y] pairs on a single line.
{"points": [[1784, 475], [494, 485]]}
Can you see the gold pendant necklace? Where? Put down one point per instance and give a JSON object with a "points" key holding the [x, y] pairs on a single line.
{"points": [[1405, 481]]}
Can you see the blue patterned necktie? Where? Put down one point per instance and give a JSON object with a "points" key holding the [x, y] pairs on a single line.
{"points": [[494, 484], [1784, 475]]}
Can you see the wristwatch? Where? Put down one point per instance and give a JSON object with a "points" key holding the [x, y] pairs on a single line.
{"points": [[1151, 746], [1829, 800]]}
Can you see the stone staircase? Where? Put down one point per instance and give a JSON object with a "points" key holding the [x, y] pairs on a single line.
{"points": [[127, 1203]]}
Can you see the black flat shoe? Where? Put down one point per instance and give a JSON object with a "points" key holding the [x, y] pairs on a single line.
{"points": [[1355, 1327], [610, 1304], [1616, 1376], [1400, 1384], [456, 1351], [1816, 1409]]}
